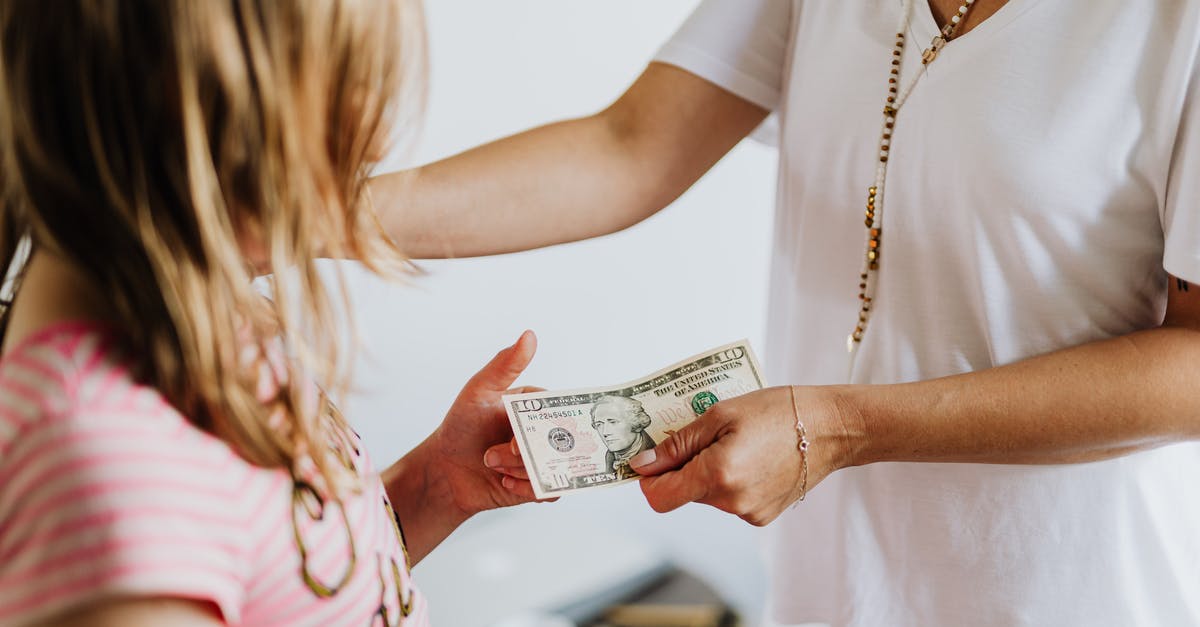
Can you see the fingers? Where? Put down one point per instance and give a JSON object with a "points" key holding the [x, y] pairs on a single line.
{"points": [[525, 389], [516, 472], [518, 487], [505, 459], [507, 365], [676, 450], [697, 463], [714, 477], [522, 490], [676, 488], [738, 457], [681, 463], [502, 456]]}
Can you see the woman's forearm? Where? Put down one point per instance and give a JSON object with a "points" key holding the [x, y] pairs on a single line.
{"points": [[1091, 402]]}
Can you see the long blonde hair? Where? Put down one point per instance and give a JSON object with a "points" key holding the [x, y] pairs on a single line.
{"points": [[154, 141]]}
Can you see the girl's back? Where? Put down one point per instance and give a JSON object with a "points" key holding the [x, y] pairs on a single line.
{"points": [[108, 491]]}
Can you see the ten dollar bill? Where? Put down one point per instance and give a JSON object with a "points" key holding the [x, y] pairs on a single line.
{"points": [[578, 439]]}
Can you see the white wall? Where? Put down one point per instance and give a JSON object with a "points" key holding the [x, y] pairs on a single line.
{"points": [[605, 311]]}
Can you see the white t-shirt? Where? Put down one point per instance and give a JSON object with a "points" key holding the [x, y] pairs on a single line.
{"points": [[1042, 175]]}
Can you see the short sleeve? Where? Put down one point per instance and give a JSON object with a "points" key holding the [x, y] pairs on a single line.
{"points": [[739, 45], [1181, 214], [115, 507]]}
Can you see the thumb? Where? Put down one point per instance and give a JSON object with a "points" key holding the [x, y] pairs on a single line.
{"points": [[678, 449], [500, 373]]}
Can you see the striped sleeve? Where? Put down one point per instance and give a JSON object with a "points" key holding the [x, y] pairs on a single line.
{"points": [[106, 503]]}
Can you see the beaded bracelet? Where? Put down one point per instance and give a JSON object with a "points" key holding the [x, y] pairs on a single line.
{"points": [[801, 445]]}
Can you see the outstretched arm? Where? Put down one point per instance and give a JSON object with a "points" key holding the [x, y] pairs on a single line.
{"points": [[570, 180], [1090, 402]]}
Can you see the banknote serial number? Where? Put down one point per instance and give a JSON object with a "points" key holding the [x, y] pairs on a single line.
{"points": [[553, 415]]}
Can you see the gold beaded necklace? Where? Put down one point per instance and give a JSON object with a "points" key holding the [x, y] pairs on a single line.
{"points": [[895, 100]]}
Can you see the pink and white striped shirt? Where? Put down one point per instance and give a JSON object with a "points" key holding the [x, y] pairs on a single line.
{"points": [[107, 491]]}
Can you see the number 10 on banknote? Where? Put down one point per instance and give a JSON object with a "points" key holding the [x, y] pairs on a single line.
{"points": [[575, 440]]}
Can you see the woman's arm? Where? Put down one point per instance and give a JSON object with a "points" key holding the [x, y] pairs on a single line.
{"points": [[571, 180], [1090, 402]]}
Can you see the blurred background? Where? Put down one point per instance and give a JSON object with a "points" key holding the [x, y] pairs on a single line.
{"points": [[605, 311]]}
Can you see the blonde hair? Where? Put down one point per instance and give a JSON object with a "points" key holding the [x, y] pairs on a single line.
{"points": [[154, 141]]}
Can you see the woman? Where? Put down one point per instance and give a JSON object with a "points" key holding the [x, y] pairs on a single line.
{"points": [[992, 203]]}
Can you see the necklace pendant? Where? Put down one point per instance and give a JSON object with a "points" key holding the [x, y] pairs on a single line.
{"points": [[932, 51]]}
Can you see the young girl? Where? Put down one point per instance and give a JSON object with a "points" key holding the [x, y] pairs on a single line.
{"points": [[161, 461]]}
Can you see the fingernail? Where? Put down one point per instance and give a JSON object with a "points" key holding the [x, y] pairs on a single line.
{"points": [[508, 482], [645, 458], [491, 459]]}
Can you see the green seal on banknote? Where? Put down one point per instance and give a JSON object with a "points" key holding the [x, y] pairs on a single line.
{"points": [[702, 401]]}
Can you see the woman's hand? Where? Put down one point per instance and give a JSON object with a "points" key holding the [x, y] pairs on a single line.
{"points": [[741, 456], [476, 423]]}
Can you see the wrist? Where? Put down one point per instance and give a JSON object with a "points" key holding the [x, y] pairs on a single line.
{"points": [[889, 423], [851, 427], [418, 489]]}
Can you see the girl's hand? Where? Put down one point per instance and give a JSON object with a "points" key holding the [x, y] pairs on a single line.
{"points": [[476, 423], [506, 459], [741, 456]]}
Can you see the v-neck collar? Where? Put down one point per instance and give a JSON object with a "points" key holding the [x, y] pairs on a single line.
{"points": [[923, 27]]}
